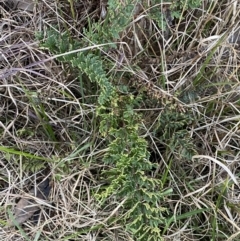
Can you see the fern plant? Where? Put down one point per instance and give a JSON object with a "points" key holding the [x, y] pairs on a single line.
{"points": [[91, 65], [119, 15], [171, 129], [127, 156], [128, 175]]}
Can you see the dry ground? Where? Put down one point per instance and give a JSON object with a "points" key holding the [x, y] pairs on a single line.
{"points": [[48, 124]]}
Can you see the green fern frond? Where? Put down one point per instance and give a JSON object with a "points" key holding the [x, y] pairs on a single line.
{"points": [[91, 65], [119, 15], [171, 129], [129, 160]]}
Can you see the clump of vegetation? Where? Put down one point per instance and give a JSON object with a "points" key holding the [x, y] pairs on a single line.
{"points": [[133, 108]]}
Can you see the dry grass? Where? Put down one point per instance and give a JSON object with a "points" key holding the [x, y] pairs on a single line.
{"points": [[48, 112]]}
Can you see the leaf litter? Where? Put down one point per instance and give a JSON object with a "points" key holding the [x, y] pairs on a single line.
{"points": [[28, 207]]}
